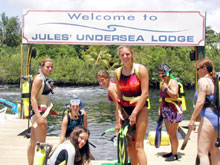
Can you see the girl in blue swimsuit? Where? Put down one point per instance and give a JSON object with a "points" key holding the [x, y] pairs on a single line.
{"points": [[207, 131]]}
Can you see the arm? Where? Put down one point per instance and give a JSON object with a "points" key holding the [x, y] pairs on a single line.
{"points": [[112, 91], [118, 111], [36, 86], [144, 78], [199, 103], [173, 90], [85, 119], [63, 129]]}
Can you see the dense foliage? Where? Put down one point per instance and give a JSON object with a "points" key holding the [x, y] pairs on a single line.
{"points": [[78, 64]]}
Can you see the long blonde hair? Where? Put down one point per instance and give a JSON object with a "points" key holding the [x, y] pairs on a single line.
{"points": [[130, 49], [44, 60]]}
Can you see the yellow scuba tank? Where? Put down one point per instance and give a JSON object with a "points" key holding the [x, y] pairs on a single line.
{"points": [[40, 154], [26, 98], [182, 96], [63, 163]]}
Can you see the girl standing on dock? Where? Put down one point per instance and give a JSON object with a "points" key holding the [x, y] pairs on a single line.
{"points": [[132, 86], [208, 127], [40, 100], [170, 108]]}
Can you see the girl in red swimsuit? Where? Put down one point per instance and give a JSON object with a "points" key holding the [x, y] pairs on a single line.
{"points": [[133, 93]]}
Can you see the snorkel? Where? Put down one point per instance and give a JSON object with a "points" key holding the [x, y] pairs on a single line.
{"points": [[167, 71]]}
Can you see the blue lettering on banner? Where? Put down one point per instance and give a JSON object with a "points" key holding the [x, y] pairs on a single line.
{"points": [[93, 16], [172, 38], [88, 37], [57, 37]]}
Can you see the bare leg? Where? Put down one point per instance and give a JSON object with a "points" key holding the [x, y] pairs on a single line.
{"points": [[205, 136], [131, 153], [206, 143], [141, 128], [37, 134], [172, 130]]}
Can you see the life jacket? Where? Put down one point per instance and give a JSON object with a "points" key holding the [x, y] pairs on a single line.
{"points": [[215, 102], [133, 99], [180, 98], [71, 124]]}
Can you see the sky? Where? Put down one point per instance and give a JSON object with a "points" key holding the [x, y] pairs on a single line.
{"points": [[211, 7]]}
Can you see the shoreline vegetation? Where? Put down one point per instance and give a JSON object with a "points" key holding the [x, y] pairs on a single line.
{"points": [[77, 65]]}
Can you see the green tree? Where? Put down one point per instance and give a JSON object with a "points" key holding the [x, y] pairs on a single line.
{"points": [[10, 31], [100, 55]]}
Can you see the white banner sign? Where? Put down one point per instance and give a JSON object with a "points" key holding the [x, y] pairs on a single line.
{"points": [[165, 28]]}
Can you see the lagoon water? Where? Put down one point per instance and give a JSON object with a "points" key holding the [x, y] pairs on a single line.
{"points": [[100, 113]]}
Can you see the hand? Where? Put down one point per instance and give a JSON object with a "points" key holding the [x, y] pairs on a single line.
{"points": [[159, 112], [118, 123], [192, 125], [117, 127], [40, 120], [132, 119], [164, 85], [120, 116]]}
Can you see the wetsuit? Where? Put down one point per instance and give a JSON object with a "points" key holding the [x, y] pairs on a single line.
{"points": [[73, 123], [130, 87], [170, 110], [64, 152], [207, 112]]}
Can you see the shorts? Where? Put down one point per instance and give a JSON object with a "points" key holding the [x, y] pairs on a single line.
{"points": [[170, 112]]}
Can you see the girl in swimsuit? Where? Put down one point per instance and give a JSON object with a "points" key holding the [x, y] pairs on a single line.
{"points": [[75, 150], [105, 81], [74, 118], [132, 90], [170, 110], [207, 134], [39, 98]]}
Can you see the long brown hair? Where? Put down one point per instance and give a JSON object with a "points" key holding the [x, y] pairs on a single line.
{"points": [[82, 155]]}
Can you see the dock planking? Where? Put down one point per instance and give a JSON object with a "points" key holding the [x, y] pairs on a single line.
{"points": [[14, 146]]}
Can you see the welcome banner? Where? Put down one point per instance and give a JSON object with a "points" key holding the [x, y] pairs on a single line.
{"points": [[164, 28]]}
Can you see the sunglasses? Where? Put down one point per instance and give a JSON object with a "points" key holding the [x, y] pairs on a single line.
{"points": [[199, 68]]}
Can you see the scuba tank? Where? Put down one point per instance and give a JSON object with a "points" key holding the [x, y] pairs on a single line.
{"points": [[40, 154], [26, 97]]}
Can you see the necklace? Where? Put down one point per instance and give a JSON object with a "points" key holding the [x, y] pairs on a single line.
{"points": [[128, 70]]}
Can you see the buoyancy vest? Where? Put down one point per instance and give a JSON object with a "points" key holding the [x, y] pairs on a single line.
{"points": [[73, 123], [135, 99], [174, 101], [214, 103]]}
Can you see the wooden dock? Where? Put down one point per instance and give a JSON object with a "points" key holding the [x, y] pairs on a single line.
{"points": [[14, 147]]}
